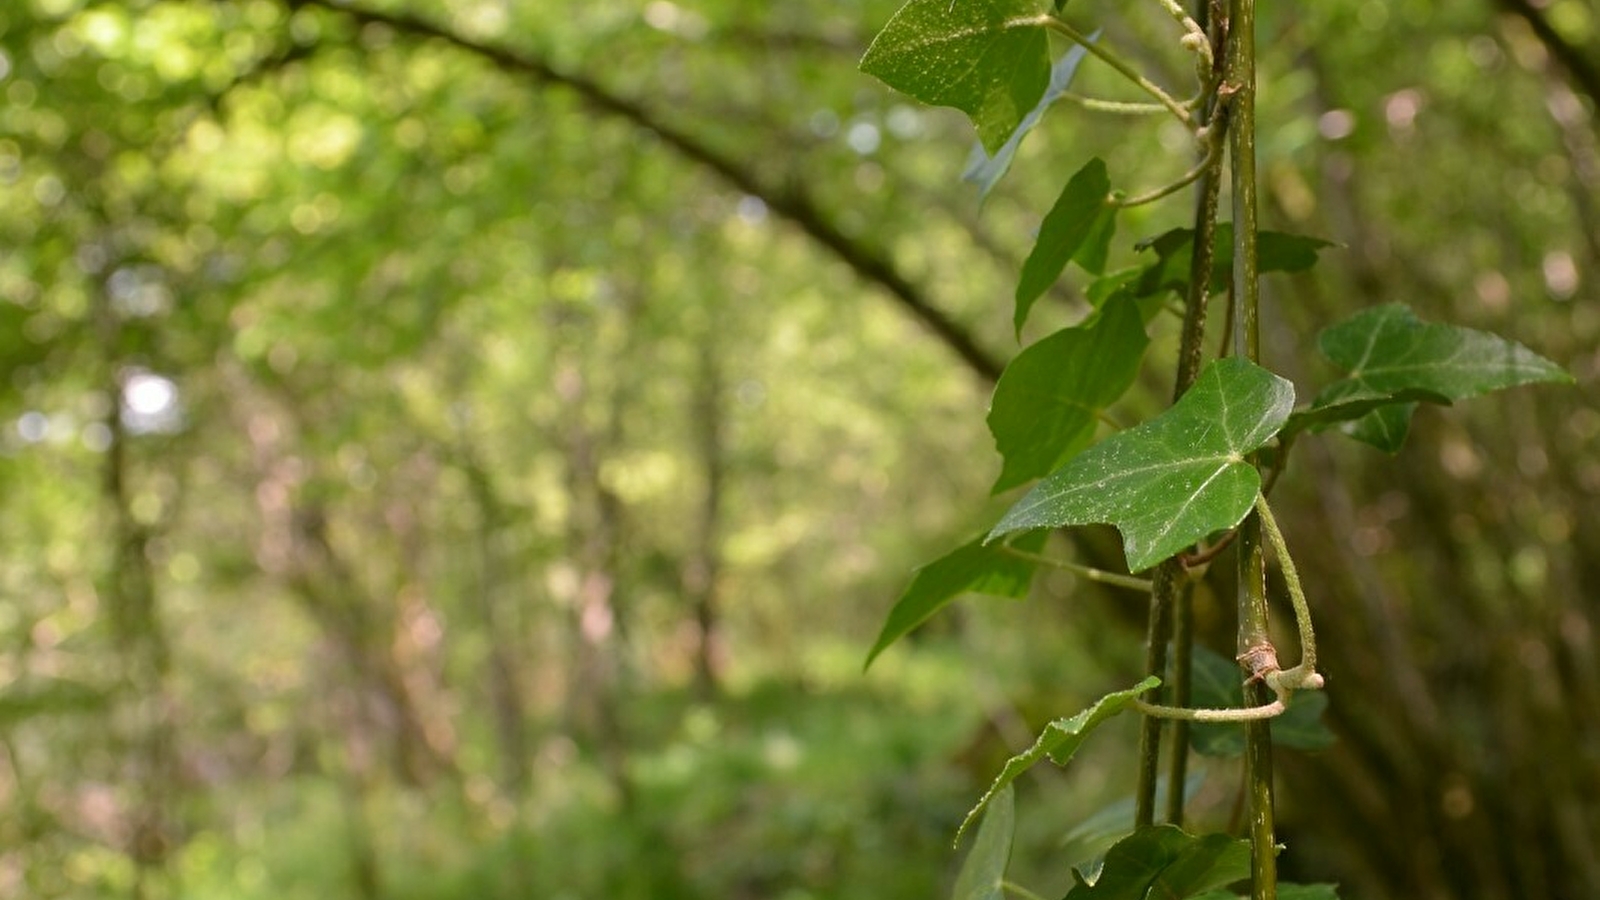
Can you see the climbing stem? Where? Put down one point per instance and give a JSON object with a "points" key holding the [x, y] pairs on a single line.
{"points": [[1182, 662], [1158, 631], [1239, 87], [1191, 351]]}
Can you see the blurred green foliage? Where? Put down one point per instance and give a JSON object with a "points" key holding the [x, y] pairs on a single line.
{"points": [[355, 479]]}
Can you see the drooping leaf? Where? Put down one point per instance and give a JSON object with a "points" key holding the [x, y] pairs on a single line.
{"points": [[991, 60], [1218, 683], [985, 170], [1174, 479], [1093, 835], [973, 567], [1277, 252], [1095, 253], [1165, 861], [1059, 741], [1389, 352], [1049, 398], [1075, 218], [984, 871], [1358, 403]]}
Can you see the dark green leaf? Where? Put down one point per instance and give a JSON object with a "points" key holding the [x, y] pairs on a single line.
{"points": [[1059, 741], [1359, 403], [1164, 861], [1385, 428], [973, 567], [1277, 252], [1095, 253], [1218, 683], [1389, 352], [986, 171], [1174, 479], [1075, 218], [984, 872], [991, 60], [1048, 401]]}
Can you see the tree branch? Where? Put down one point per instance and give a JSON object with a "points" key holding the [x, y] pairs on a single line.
{"points": [[788, 203], [1579, 63]]}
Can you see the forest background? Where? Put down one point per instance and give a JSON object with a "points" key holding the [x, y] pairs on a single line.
{"points": [[466, 449]]}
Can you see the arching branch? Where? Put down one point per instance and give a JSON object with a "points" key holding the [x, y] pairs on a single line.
{"points": [[788, 203], [1579, 63]]}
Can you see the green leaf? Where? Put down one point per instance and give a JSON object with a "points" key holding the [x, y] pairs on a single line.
{"points": [[1095, 834], [1049, 399], [991, 60], [1277, 252], [986, 171], [1174, 479], [1359, 403], [1165, 861], [973, 567], [1075, 217], [1217, 682], [984, 872], [1059, 741], [1390, 353]]}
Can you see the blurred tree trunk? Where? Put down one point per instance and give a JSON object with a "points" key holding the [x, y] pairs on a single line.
{"points": [[704, 563], [1458, 631], [507, 705], [131, 596]]}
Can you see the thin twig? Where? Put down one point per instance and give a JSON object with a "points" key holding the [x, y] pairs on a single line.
{"points": [[1111, 59], [1082, 571]]}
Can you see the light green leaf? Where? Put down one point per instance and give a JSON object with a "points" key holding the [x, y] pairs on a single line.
{"points": [[972, 567], [1217, 683], [1092, 836], [989, 59], [984, 872], [1174, 479], [1049, 399], [1059, 741], [1391, 353], [1165, 861], [986, 171], [1076, 217]]}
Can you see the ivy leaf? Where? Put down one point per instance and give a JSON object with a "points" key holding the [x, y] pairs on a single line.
{"points": [[986, 171], [1358, 403], [1077, 216], [1165, 861], [984, 871], [1217, 683], [1049, 398], [1059, 741], [1390, 353], [1277, 252], [1174, 479], [991, 60], [973, 567], [1092, 836]]}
